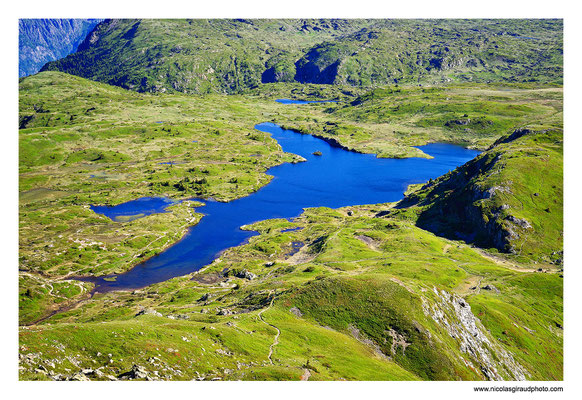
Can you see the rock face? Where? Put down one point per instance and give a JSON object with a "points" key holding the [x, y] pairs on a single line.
{"points": [[295, 311], [44, 40], [454, 314], [313, 68], [485, 200], [460, 214]]}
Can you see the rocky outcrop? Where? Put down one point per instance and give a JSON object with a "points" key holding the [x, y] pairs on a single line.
{"points": [[519, 222], [513, 136], [460, 213], [360, 337], [136, 372], [79, 377], [295, 311], [454, 314], [245, 274], [470, 203], [398, 342], [491, 288], [148, 311], [313, 68]]}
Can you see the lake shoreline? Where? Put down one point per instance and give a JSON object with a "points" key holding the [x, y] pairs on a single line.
{"points": [[300, 145]]}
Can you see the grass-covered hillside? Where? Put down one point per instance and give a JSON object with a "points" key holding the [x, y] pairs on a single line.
{"points": [[197, 56], [510, 198], [389, 121], [349, 296], [376, 292], [431, 51], [232, 56]]}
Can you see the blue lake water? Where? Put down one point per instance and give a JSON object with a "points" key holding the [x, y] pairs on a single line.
{"points": [[337, 178], [289, 101]]}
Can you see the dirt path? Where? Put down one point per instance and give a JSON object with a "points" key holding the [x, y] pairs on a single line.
{"points": [[276, 341], [505, 263], [478, 286], [370, 242], [502, 262], [67, 306], [470, 287], [306, 374]]}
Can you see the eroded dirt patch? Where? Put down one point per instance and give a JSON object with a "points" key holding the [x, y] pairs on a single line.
{"points": [[371, 243], [208, 279]]}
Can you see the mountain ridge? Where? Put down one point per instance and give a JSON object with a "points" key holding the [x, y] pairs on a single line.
{"points": [[233, 56]]}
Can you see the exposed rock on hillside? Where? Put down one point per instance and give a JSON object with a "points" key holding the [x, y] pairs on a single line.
{"points": [[148, 311], [454, 314], [44, 40], [490, 200], [136, 372]]}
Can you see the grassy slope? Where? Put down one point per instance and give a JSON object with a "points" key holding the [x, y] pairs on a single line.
{"points": [[509, 198], [438, 51], [196, 56], [388, 121], [389, 259], [201, 56], [386, 283]]}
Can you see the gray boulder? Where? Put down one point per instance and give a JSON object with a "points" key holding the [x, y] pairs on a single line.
{"points": [[136, 372], [246, 275], [491, 288], [150, 311]]}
